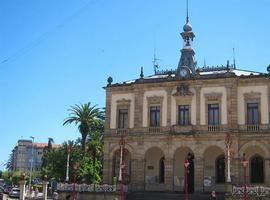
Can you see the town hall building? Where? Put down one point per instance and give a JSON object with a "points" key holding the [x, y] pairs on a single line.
{"points": [[213, 117]]}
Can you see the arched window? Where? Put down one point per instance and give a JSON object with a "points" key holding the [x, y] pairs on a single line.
{"points": [[161, 170], [256, 169], [220, 169]]}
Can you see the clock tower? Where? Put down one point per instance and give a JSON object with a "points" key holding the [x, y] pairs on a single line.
{"points": [[187, 63]]}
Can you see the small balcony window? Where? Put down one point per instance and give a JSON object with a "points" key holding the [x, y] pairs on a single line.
{"points": [[213, 114], [123, 118], [154, 116], [252, 114], [183, 115]]}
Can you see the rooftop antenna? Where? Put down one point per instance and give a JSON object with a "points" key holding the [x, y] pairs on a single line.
{"points": [[234, 59], [204, 63], [155, 64], [187, 13]]}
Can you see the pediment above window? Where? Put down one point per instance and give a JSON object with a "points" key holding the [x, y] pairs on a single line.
{"points": [[123, 102], [213, 96], [252, 96], [155, 99]]}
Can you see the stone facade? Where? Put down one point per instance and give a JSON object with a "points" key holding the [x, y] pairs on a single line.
{"points": [[174, 142], [216, 103]]}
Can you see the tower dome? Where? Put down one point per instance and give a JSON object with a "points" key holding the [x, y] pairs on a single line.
{"points": [[187, 27]]}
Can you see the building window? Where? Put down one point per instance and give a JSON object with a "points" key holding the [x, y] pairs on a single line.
{"points": [[213, 114], [154, 116], [252, 113], [183, 115], [257, 170], [123, 118]]}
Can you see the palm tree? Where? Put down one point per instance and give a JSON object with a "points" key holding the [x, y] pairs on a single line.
{"points": [[50, 142], [88, 118]]}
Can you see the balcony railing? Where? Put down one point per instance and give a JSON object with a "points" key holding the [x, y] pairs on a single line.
{"points": [[122, 131], [154, 130], [253, 127], [213, 128]]}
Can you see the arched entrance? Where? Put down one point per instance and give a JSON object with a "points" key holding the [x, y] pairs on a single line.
{"points": [[116, 163], [180, 155], [154, 169], [220, 169], [214, 169], [256, 169], [255, 153]]}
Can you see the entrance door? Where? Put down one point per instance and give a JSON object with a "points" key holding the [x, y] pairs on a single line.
{"points": [[190, 176], [257, 170], [220, 169]]}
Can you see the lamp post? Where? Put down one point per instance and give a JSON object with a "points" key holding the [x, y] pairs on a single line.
{"points": [[31, 163], [228, 143], [245, 163], [67, 172], [121, 167], [75, 167], [186, 165]]}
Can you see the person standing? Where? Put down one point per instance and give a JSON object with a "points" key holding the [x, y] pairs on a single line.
{"points": [[213, 196]]}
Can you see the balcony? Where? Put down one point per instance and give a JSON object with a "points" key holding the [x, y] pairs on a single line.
{"points": [[154, 130], [253, 127], [214, 128], [122, 131]]}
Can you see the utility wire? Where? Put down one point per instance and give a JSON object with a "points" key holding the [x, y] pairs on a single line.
{"points": [[47, 34]]}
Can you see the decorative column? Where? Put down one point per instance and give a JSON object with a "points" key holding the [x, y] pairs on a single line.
{"points": [[168, 162], [22, 183], [45, 187]]}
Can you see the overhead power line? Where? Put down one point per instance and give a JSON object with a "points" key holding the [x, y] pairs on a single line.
{"points": [[47, 34]]}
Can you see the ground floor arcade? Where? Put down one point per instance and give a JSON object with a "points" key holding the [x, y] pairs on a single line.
{"points": [[156, 162]]}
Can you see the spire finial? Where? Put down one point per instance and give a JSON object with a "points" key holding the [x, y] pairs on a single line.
{"points": [[187, 13], [141, 75]]}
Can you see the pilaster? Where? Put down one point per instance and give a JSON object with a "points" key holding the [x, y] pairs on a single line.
{"points": [[199, 165], [233, 107], [198, 104], [138, 112], [169, 105], [169, 174]]}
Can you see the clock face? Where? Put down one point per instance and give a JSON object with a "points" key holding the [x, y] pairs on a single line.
{"points": [[183, 73]]}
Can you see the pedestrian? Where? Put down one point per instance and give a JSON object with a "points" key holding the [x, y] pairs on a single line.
{"points": [[213, 196]]}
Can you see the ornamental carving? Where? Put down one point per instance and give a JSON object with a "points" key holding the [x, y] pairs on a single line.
{"points": [[123, 102], [213, 96], [252, 96], [182, 90], [155, 99]]}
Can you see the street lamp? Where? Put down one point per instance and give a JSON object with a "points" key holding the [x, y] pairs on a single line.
{"points": [[228, 143], [245, 164], [186, 165], [67, 172], [121, 167], [31, 162]]}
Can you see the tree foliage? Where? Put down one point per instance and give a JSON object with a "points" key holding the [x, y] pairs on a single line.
{"points": [[88, 118], [85, 152]]}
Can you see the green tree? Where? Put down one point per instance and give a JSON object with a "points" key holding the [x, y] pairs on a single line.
{"points": [[88, 118], [94, 148], [50, 142]]}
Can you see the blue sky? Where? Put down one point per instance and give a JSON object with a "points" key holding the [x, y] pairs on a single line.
{"points": [[57, 53]]}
